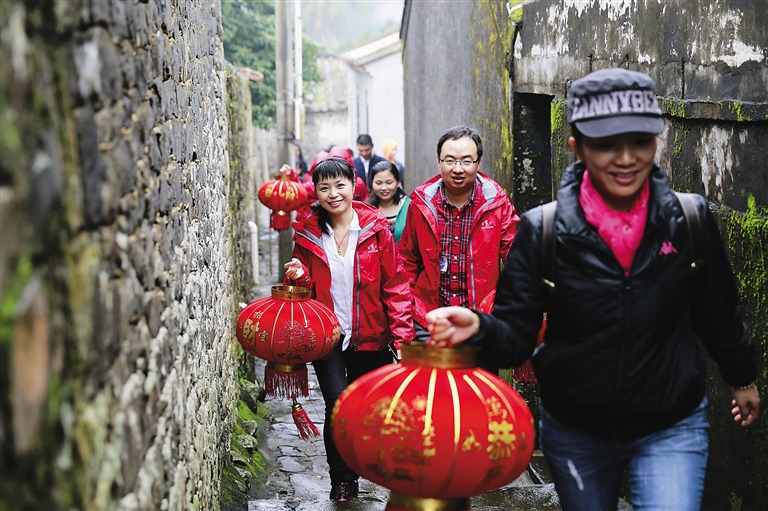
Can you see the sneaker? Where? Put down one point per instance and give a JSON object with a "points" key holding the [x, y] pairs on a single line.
{"points": [[344, 491]]}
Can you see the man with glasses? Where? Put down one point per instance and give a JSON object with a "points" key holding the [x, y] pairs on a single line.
{"points": [[459, 229]]}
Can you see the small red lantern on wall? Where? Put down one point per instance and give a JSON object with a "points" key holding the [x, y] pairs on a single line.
{"points": [[282, 196], [523, 373], [434, 429], [288, 329]]}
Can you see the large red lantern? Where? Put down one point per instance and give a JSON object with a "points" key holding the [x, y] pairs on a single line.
{"points": [[434, 429], [288, 329], [282, 196], [523, 373]]}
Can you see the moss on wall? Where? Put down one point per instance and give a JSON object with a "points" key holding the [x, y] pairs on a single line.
{"points": [[735, 108], [747, 240], [245, 465], [516, 10], [558, 140], [492, 36], [672, 106]]}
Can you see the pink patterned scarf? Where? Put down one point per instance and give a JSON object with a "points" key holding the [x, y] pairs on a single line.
{"points": [[621, 231]]}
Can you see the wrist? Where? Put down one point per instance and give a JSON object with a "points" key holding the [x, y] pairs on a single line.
{"points": [[746, 387], [475, 323]]}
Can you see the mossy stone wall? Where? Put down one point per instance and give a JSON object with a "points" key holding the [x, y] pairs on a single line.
{"points": [[124, 187]]}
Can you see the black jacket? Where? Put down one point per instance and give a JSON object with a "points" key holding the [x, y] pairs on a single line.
{"points": [[621, 356]]}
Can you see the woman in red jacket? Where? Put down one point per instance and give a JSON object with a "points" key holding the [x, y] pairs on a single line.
{"points": [[345, 252]]}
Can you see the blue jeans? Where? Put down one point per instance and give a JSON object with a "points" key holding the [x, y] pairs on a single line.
{"points": [[334, 374], [665, 469]]}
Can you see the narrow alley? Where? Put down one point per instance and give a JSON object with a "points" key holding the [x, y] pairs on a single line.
{"points": [[297, 472]]}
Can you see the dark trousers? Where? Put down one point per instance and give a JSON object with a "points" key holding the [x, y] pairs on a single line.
{"points": [[334, 374]]}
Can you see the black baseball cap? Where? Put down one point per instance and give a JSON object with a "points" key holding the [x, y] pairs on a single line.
{"points": [[613, 101]]}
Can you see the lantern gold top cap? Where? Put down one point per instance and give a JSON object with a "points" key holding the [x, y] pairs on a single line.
{"points": [[422, 355], [291, 293]]}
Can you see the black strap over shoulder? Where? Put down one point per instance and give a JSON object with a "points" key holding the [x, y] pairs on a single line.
{"points": [[549, 236], [548, 243], [693, 220]]}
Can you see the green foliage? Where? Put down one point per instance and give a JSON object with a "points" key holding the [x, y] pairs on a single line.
{"points": [[310, 71], [249, 41]]}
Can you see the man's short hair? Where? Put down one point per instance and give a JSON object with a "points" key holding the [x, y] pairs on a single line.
{"points": [[458, 132], [364, 139]]}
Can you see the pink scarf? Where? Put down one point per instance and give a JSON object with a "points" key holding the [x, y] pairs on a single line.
{"points": [[621, 231]]}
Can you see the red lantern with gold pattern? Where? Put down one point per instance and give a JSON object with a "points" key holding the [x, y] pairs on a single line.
{"points": [[282, 196], [435, 429], [523, 373], [288, 329]]}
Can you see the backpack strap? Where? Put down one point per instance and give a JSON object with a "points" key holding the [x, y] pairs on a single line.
{"points": [[548, 243], [693, 220]]}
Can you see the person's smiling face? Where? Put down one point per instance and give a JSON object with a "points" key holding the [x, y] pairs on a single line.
{"points": [[458, 164], [618, 165], [335, 194], [384, 185]]}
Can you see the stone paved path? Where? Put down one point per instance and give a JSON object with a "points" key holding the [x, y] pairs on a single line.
{"points": [[298, 473]]}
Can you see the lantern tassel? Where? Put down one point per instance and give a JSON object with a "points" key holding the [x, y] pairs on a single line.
{"points": [[303, 423], [524, 373], [286, 381]]}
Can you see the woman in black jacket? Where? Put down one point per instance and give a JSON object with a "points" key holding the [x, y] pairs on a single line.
{"points": [[620, 372]]}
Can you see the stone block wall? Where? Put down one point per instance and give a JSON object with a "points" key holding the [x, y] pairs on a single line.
{"points": [[124, 193]]}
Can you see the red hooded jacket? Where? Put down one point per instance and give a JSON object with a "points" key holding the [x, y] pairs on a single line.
{"points": [[382, 303], [493, 230]]}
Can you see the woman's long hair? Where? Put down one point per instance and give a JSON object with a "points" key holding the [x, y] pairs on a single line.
{"points": [[330, 169], [383, 166]]}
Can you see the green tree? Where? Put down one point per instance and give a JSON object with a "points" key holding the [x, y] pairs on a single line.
{"points": [[249, 41]]}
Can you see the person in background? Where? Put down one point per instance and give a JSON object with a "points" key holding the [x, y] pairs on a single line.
{"points": [[389, 151], [389, 196], [300, 163], [366, 158], [460, 227], [621, 373], [345, 253]]}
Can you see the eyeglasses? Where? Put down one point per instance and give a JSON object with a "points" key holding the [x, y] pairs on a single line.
{"points": [[463, 163]]}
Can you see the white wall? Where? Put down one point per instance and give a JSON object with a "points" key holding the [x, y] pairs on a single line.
{"points": [[376, 105], [385, 102]]}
